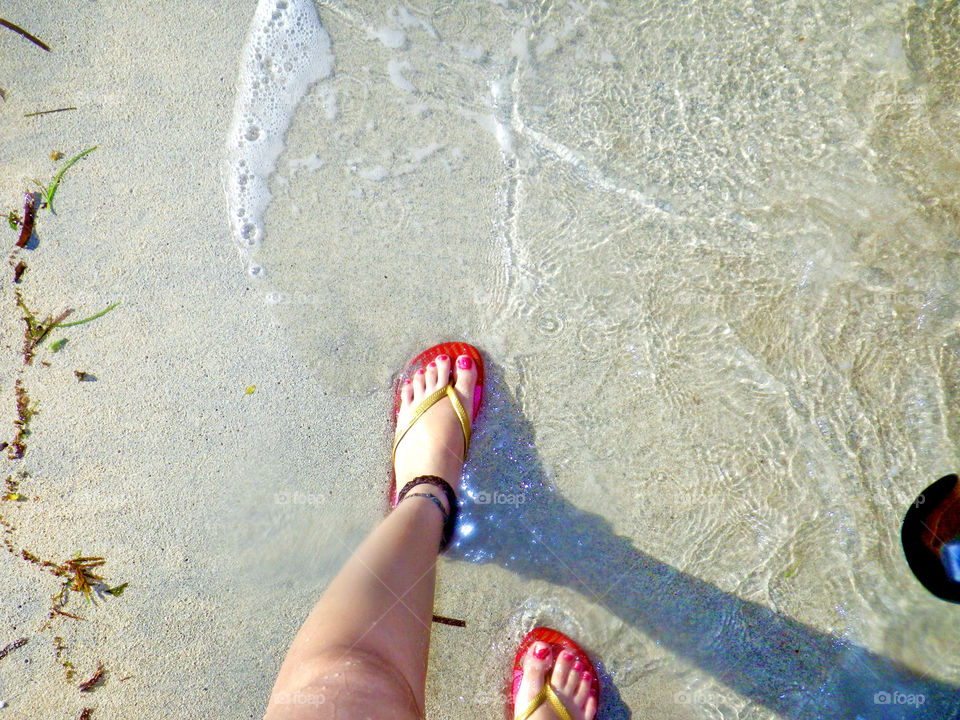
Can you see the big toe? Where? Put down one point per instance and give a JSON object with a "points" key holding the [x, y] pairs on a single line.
{"points": [[466, 381], [536, 664]]}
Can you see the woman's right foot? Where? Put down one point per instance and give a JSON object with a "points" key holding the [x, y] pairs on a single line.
{"points": [[434, 445], [570, 679]]}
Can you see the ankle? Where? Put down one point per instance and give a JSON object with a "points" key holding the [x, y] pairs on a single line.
{"points": [[438, 492], [433, 485], [433, 491]]}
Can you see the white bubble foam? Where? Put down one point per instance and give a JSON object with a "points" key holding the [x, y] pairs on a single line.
{"points": [[390, 38], [287, 50], [406, 19], [419, 154], [375, 173], [395, 70]]}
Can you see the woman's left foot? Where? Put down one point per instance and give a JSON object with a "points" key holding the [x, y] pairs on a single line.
{"points": [[569, 677], [434, 445]]}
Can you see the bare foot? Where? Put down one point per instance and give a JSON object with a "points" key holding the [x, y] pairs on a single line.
{"points": [[434, 445], [570, 679]]}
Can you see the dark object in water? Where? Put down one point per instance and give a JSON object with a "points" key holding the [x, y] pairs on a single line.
{"points": [[20, 31], [933, 515], [84, 376]]}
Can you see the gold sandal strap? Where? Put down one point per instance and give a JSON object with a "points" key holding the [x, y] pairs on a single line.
{"points": [[427, 403], [462, 416], [546, 694]]}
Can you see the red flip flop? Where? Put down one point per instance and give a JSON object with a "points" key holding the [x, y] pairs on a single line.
{"points": [[558, 642], [453, 350]]}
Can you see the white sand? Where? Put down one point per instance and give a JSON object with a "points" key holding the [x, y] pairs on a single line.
{"points": [[148, 465]]}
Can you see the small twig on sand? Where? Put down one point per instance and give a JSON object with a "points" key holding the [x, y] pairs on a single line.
{"points": [[48, 112], [449, 621], [20, 31]]}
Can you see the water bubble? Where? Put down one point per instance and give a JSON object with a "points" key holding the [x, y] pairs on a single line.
{"points": [[248, 231], [549, 323], [253, 132], [256, 270]]}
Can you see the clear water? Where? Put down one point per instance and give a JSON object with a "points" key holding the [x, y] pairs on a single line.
{"points": [[711, 252]]}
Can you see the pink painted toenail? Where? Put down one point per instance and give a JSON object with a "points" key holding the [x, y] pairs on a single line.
{"points": [[541, 653], [578, 666], [566, 656], [407, 381], [442, 358], [431, 364], [464, 362], [420, 371], [587, 676]]}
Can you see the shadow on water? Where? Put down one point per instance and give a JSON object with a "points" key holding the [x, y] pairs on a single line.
{"points": [[792, 669]]}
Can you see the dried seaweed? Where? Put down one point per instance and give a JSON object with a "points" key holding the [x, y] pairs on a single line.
{"points": [[58, 651], [25, 412], [31, 201], [80, 569], [88, 685], [9, 648]]}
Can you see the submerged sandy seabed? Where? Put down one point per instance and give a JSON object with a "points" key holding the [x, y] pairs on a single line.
{"points": [[725, 486]]}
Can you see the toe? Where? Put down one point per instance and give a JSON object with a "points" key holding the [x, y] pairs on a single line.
{"points": [[419, 384], [466, 381], [406, 395], [575, 677], [443, 369], [431, 376], [590, 709], [583, 689], [536, 663], [564, 677]]}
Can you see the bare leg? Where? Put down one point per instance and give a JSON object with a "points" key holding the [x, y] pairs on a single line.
{"points": [[362, 651]]}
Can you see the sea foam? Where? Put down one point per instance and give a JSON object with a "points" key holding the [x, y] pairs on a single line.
{"points": [[287, 49]]}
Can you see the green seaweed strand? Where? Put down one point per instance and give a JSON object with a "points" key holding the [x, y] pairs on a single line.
{"points": [[48, 193], [85, 320]]}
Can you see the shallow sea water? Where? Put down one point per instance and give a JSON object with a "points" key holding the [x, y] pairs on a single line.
{"points": [[711, 253]]}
